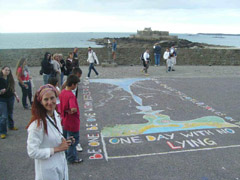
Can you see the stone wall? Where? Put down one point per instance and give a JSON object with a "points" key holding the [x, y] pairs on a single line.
{"points": [[126, 56]]}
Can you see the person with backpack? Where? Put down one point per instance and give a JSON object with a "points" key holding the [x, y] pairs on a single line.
{"points": [[146, 61], [92, 59]]}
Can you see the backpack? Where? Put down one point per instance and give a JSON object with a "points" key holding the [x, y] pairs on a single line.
{"points": [[141, 57]]}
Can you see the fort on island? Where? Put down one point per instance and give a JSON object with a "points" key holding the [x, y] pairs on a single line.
{"points": [[149, 34]]}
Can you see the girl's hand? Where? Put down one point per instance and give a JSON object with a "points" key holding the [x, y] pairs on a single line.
{"points": [[17, 98], [2, 91]]}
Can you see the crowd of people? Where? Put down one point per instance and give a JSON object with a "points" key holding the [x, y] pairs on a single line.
{"points": [[170, 56], [53, 130]]}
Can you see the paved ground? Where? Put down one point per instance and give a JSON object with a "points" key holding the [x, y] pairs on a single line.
{"points": [[167, 126]]}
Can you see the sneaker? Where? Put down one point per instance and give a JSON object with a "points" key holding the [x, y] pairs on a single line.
{"points": [[155, 65], [146, 74], [79, 148], [3, 136], [87, 77], [76, 161], [14, 129], [96, 76]]}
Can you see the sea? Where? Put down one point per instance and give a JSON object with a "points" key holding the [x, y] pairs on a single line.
{"points": [[81, 39]]}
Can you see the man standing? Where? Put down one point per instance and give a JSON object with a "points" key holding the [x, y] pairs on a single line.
{"points": [[173, 54], [114, 49], [157, 53]]}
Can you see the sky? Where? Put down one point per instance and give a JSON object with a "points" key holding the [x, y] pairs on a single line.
{"points": [[175, 16]]}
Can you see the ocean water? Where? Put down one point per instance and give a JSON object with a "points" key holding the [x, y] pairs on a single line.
{"points": [[71, 40]]}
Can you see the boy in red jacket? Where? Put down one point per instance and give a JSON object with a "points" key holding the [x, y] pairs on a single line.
{"points": [[70, 115]]}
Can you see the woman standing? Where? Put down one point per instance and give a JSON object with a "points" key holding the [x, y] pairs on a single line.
{"points": [[92, 57], [45, 143], [69, 64], [46, 67], [57, 68], [7, 93], [63, 67], [24, 82]]}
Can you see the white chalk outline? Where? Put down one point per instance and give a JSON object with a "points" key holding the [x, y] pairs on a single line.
{"points": [[173, 152], [104, 148]]}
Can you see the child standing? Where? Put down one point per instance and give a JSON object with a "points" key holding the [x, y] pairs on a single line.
{"points": [[54, 81], [70, 115]]}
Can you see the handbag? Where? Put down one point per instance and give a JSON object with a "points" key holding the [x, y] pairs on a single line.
{"points": [[95, 61]]}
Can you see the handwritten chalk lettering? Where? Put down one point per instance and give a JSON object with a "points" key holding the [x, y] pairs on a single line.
{"points": [[159, 137], [85, 83], [92, 136], [93, 128], [197, 133], [99, 151], [90, 115], [195, 143], [127, 140], [87, 97], [225, 131], [94, 143], [173, 147], [91, 119], [96, 156], [88, 105]]}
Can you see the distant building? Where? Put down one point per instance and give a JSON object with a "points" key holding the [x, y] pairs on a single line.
{"points": [[148, 34]]}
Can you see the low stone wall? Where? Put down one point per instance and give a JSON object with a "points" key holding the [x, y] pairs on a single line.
{"points": [[125, 56]]}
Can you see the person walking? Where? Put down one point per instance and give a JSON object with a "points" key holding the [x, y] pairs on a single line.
{"points": [[92, 58], [45, 142], [24, 82], [146, 61], [7, 94], [70, 115], [46, 67], [157, 53], [114, 49]]}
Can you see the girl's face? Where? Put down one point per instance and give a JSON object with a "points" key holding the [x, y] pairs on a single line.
{"points": [[6, 71], [49, 101]]}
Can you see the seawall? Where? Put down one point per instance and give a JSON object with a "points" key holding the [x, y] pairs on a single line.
{"points": [[126, 56]]}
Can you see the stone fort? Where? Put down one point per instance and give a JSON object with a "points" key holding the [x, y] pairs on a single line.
{"points": [[149, 34]]}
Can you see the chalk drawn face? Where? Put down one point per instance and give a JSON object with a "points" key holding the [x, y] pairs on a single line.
{"points": [[49, 101]]}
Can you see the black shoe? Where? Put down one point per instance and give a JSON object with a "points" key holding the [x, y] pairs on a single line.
{"points": [[76, 161], [173, 69]]}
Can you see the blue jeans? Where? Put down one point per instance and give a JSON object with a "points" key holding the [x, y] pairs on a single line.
{"points": [[45, 78], [26, 92], [71, 153], [91, 67], [157, 59], [6, 114], [62, 76]]}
